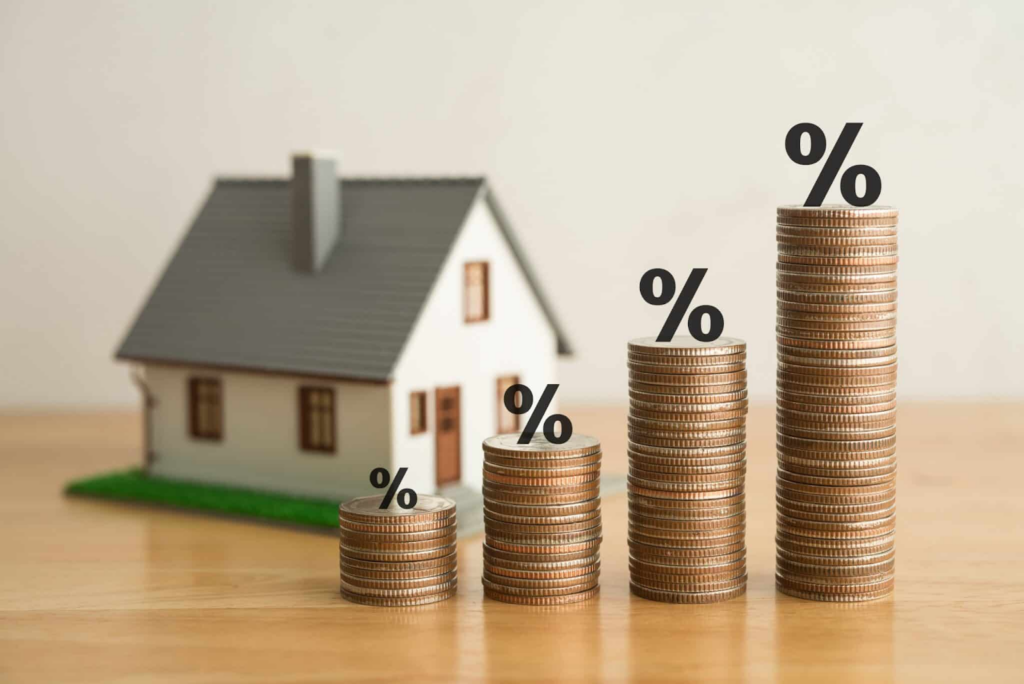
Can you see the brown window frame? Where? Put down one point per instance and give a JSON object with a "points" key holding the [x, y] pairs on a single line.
{"points": [[417, 409], [206, 394], [485, 287], [307, 441], [503, 413]]}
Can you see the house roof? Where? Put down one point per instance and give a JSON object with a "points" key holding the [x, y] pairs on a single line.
{"points": [[231, 298]]}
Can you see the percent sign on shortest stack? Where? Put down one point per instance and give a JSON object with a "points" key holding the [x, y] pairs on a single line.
{"points": [[380, 478], [668, 290], [525, 404], [848, 182]]}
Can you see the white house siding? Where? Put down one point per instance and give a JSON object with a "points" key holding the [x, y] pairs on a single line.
{"points": [[445, 351], [260, 446]]}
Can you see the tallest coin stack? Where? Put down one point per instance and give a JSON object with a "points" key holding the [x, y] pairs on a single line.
{"points": [[836, 411]]}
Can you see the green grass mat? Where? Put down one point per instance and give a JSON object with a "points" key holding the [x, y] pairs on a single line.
{"points": [[135, 485]]}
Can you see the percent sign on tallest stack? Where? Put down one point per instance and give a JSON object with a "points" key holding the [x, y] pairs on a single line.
{"points": [[687, 452], [836, 383]]}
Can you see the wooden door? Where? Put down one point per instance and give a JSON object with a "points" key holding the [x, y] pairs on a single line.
{"points": [[448, 433], [507, 422]]}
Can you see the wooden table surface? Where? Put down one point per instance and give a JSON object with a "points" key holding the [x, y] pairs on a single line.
{"points": [[101, 592]]}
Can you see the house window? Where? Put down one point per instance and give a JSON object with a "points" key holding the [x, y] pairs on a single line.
{"points": [[316, 419], [507, 421], [206, 410], [478, 307], [417, 412]]}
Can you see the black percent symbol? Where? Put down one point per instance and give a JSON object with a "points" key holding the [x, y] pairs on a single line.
{"points": [[675, 316], [535, 418], [381, 478], [827, 176]]}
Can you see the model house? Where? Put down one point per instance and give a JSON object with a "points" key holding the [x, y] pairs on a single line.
{"points": [[311, 329]]}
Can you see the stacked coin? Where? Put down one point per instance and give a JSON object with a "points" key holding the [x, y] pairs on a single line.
{"points": [[687, 462], [398, 557], [542, 518], [836, 411]]}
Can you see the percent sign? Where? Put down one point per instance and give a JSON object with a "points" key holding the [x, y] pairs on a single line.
{"points": [[848, 183], [380, 478], [675, 317], [534, 421]]}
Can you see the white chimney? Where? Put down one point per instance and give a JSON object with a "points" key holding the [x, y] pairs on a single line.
{"points": [[316, 210]]}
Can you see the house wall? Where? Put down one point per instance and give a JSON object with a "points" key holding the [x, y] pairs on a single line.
{"points": [[444, 351], [260, 446]]}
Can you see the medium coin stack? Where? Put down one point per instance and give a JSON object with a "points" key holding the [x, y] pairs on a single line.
{"points": [[542, 518], [398, 557], [836, 410], [687, 462]]}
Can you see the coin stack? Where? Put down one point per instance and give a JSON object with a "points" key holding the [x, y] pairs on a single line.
{"points": [[542, 518], [687, 462], [836, 411], [398, 557]]}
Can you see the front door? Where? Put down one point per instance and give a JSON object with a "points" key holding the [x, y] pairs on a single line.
{"points": [[448, 432]]}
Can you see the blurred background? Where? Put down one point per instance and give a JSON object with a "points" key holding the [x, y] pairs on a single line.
{"points": [[619, 136]]}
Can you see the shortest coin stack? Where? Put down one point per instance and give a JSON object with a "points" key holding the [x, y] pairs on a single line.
{"points": [[542, 517], [398, 557]]}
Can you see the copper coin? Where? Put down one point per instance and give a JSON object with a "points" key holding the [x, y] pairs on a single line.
{"points": [[783, 307], [689, 585], [544, 472], [366, 509], [434, 565], [835, 562], [785, 566], [361, 536], [683, 515], [687, 361], [836, 211], [834, 598], [668, 464], [493, 571], [814, 546], [837, 509], [668, 489], [665, 555], [590, 583], [539, 447], [396, 556], [835, 530], [588, 550], [542, 527], [814, 445], [680, 597], [730, 569], [664, 440], [583, 489], [838, 260], [399, 602], [689, 428], [541, 520], [398, 593], [542, 600], [657, 470], [831, 251], [836, 482], [825, 409], [689, 418], [502, 496], [836, 433], [814, 284], [687, 346], [733, 473], [825, 226], [682, 496], [684, 390], [391, 585], [556, 549], [797, 239], [542, 463], [544, 564], [681, 411], [689, 562], [851, 271], [690, 453], [649, 535], [503, 583], [526, 512], [680, 379], [679, 369], [503, 539], [786, 339], [438, 523], [537, 482], [876, 585], [362, 544], [699, 399], [376, 574]]}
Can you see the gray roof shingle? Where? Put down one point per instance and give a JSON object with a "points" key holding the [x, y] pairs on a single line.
{"points": [[231, 298]]}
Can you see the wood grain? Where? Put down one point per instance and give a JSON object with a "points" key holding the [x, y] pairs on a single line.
{"points": [[100, 592]]}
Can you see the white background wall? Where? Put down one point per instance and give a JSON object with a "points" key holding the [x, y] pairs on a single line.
{"points": [[620, 136]]}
